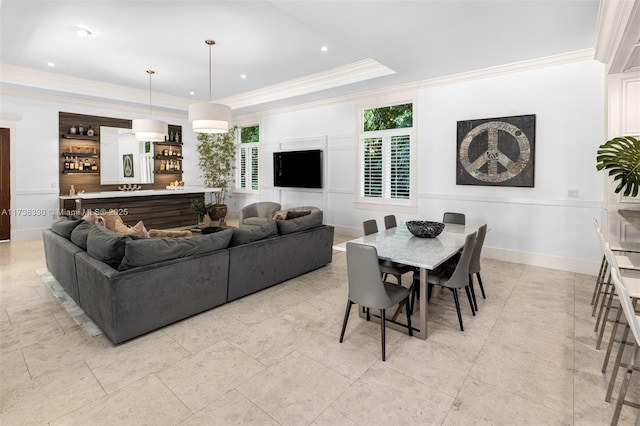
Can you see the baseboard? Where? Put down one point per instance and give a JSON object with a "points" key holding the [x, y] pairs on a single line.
{"points": [[543, 260]]}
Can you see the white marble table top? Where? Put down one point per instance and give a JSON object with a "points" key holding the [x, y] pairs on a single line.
{"points": [[399, 245]]}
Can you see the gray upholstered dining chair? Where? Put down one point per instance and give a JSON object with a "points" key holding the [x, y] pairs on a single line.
{"points": [[455, 218], [387, 267], [390, 221], [457, 279], [366, 287], [474, 263]]}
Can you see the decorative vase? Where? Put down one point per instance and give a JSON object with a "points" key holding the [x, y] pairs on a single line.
{"points": [[219, 211]]}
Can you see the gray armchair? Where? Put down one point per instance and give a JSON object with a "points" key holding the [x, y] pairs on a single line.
{"points": [[257, 214]]}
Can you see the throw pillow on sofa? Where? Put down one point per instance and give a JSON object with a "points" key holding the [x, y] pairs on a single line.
{"points": [[137, 230], [281, 215], [300, 224], [80, 233], [65, 226], [292, 214], [106, 246], [155, 250], [245, 236]]}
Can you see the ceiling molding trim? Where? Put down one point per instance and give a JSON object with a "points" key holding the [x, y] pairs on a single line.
{"points": [[613, 17], [57, 97], [80, 86], [347, 74], [549, 61], [407, 88]]}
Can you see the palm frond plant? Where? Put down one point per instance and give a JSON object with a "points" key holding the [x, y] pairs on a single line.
{"points": [[621, 156]]}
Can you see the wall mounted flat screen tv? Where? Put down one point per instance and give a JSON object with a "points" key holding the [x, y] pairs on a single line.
{"points": [[298, 169]]}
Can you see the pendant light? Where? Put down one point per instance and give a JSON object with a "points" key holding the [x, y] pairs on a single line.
{"points": [[209, 117], [147, 129]]}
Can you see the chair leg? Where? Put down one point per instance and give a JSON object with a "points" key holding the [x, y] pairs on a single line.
{"points": [[603, 304], [616, 364], [605, 318], [625, 385], [368, 315], [346, 318], [473, 292], [481, 286], [382, 325], [470, 300], [455, 299], [409, 316], [599, 278], [612, 339], [604, 282]]}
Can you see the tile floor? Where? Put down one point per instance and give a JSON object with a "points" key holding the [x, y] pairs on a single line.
{"points": [[528, 357]]}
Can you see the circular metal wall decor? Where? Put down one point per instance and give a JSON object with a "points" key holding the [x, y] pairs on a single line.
{"points": [[497, 152]]}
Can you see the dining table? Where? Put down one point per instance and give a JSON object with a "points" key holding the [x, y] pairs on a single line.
{"points": [[399, 245]]}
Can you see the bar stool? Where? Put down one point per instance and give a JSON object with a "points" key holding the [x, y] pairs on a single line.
{"points": [[632, 324]]}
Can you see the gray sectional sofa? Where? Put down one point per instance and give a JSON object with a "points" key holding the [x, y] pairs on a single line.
{"points": [[130, 286]]}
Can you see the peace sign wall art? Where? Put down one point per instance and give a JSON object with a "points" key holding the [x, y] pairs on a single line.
{"points": [[497, 151]]}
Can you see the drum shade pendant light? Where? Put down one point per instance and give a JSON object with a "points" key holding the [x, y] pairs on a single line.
{"points": [[147, 129], [208, 117]]}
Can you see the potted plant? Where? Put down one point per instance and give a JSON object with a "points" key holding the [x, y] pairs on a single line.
{"points": [[621, 156], [201, 208], [217, 154]]}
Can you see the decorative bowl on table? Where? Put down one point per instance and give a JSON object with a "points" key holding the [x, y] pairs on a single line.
{"points": [[425, 228]]}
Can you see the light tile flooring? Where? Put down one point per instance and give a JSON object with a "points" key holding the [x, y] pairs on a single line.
{"points": [[528, 357]]}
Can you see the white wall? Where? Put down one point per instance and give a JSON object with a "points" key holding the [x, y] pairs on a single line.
{"points": [[539, 225]]}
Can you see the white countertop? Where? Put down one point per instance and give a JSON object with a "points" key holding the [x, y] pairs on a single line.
{"points": [[140, 193]]}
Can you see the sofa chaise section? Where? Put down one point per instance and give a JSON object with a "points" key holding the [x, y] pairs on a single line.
{"points": [[126, 304], [60, 257]]}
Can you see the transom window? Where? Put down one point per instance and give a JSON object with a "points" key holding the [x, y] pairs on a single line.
{"points": [[247, 169], [385, 154]]}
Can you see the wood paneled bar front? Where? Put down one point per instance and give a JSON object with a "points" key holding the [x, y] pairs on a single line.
{"points": [[158, 209]]}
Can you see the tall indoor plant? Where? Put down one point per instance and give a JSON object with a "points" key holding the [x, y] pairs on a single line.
{"points": [[621, 156], [217, 154]]}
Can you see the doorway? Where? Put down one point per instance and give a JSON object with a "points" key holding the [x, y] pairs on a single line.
{"points": [[5, 185]]}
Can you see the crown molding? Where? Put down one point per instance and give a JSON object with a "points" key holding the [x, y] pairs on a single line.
{"points": [[335, 77], [407, 89], [74, 86], [614, 18]]}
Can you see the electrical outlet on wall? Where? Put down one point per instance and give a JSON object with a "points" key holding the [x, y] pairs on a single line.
{"points": [[573, 193]]}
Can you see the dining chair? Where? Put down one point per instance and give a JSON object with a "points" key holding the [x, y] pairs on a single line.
{"points": [[455, 218], [387, 267], [632, 324], [474, 263], [390, 221], [366, 287], [455, 280]]}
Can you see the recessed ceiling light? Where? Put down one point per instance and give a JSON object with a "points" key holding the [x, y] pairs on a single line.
{"points": [[51, 64], [192, 93], [324, 48], [83, 32], [243, 76]]}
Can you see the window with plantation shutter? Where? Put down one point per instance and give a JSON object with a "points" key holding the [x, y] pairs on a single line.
{"points": [[385, 152], [248, 155]]}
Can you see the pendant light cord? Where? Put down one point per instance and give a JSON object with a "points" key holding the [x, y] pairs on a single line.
{"points": [[150, 72], [210, 43]]}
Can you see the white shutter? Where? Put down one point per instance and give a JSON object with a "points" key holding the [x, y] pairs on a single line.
{"points": [[398, 167], [243, 168], [371, 184], [254, 168]]}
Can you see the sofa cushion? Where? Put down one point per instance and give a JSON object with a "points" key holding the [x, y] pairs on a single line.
{"points": [[293, 214], [300, 224], [80, 233], [245, 236], [106, 246], [154, 250], [256, 221], [64, 226]]}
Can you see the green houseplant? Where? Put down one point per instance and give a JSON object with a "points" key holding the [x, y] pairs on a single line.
{"points": [[621, 156], [201, 209], [217, 154]]}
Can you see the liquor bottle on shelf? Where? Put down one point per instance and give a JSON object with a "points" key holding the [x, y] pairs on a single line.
{"points": [[76, 164], [162, 166], [178, 165], [80, 130], [170, 151], [90, 131], [94, 166], [178, 137], [87, 165]]}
